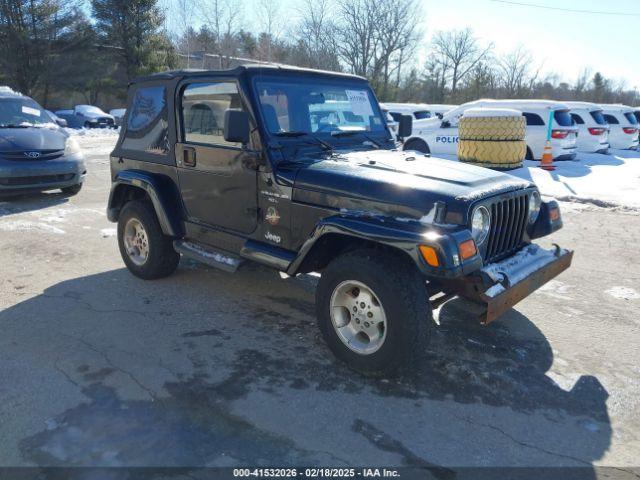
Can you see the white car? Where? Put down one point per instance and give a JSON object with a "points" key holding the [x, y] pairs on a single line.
{"points": [[440, 136], [417, 111], [593, 130], [623, 126], [118, 115]]}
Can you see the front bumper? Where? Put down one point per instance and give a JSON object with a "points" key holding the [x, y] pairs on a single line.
{"points": [[500, 286], [37, 176]]}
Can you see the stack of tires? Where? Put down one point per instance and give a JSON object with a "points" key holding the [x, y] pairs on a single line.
{"points": [[492, 138]]}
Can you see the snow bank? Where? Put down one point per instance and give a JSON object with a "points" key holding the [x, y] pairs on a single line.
{"points": [[608, 181], [93, 132]]}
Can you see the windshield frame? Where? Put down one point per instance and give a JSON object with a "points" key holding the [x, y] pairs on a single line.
{"points": [[383, 134]]}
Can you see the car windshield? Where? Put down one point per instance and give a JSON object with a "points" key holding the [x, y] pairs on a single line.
{"points": [[318, 107], [598, 117], [89, 109], [632, 118], [563, 118], [22, 112]]}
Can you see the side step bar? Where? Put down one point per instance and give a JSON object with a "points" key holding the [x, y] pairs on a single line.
{"points": [[210, 256]]}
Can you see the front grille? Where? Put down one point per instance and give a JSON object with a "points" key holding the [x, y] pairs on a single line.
{"points": [[22, 155], [36, 180], [105, 120], [508, 222]]}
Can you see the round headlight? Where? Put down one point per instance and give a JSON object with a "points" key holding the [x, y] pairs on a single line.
{"points": [[534, 206], [480, 224]]}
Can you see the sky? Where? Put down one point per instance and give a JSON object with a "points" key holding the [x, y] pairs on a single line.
{"points": [[563, 42]]}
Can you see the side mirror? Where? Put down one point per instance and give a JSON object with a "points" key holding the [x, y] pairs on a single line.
{"points": [[61, 122], [445, 124], [236, 126], [405, 125]]}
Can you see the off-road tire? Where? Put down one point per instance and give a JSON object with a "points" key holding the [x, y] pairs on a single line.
{"points": [[492, 154], [492, 128], [163, 259], [417, 145], [72, 190], [403, 295]]}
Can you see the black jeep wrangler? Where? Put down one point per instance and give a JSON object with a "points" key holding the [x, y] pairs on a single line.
{"points": [[296, 169]]}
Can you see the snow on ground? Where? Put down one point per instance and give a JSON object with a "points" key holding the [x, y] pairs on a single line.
{"points": [[93, 132], [610, 181]]}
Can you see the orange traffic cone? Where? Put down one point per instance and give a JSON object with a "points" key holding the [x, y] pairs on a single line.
{"points": [[547, 158]]}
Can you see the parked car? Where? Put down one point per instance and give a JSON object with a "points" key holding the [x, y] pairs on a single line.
{"points": [[61, 122], [231, 166], [86, 116], [636, 112], [35, 154], [391, 122], [440, 136], [118, 115], [593, 130], [418, 111], [623, 125]]}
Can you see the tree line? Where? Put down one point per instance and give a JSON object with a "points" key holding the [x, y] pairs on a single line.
{"points": [[63, 52]]}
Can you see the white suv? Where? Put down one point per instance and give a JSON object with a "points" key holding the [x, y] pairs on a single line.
{"points": [[418, 111], [593, 130], [623, 125], [440, 136]]}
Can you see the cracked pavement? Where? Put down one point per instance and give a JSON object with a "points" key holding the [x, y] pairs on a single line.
{"points": [[98, 368]]}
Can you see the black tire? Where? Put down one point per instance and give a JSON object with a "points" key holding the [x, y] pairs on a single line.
{"points": [[529, 154], [162, 259], [401, 291], [72, 190], [87, 125], [417, 145]]}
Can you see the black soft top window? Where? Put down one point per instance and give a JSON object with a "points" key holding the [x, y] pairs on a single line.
{"points": [[147, 125]]}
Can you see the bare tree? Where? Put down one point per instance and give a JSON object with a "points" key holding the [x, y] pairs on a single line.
{"points": [[270, 22], [457, 52], [223, 20], [516, 74], [316, 35]]}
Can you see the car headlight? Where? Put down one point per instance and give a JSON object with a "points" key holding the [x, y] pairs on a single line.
{"points": [[534, 206], [71, 146], [480, 225]]}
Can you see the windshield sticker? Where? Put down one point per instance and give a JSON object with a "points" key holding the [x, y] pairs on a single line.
{"points": [[360, 104], [31, 111]]}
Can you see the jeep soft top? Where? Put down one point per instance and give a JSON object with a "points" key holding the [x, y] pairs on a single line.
{"points": [[257, 164]]}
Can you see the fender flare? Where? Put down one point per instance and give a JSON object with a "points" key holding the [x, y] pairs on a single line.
{"points": [[416, 138], [406, 241], [161, 191]]}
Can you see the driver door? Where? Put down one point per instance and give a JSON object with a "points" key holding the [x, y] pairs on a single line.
{"points": [[217, 188]]}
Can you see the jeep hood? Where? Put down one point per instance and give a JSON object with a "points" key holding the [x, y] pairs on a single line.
{"points": [[399, 184]]}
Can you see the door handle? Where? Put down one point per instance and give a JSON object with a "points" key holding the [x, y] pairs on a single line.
{"points": [[189, 157]]}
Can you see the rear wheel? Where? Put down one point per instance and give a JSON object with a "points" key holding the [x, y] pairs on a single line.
{"points": [[417, 145], [146, 251], [373, 311]]}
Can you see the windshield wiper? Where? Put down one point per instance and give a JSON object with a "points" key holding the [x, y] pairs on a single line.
{"points": [[299, 133], [347, 133]]}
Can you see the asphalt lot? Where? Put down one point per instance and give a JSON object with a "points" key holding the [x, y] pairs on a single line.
{"points": [[208, 368]]}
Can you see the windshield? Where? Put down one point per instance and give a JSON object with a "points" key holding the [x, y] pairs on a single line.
{"points": [[318, 106], [598, 117], [22, 112], [89, 109]]}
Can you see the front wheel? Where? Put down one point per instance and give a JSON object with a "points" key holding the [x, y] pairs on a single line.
{"points": [[373, 311], [146, 251]]}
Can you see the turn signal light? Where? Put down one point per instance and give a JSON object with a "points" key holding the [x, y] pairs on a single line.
{"points": [[597, 131], [467, 249], [430, 255], [630, 131], [554, 214]]}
